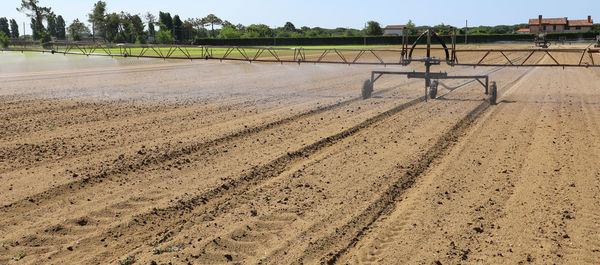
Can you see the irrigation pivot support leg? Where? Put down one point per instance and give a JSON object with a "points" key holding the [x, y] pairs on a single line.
{"points": [[433, 89], [487, 85], [367, 89], [494, 93]]}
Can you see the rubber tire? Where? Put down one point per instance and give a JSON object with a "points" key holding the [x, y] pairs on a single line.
{"points": [[433, 89], [493, 93], [367, 89]]}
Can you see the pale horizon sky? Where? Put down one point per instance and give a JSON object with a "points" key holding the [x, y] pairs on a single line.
{"points": [[330, 14]]}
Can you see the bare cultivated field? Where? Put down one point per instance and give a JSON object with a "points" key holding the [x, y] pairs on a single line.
{"points": [[106, 161]]}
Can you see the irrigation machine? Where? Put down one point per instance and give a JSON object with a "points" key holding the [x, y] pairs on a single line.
{"points": [[420, 50], [541, 41]]}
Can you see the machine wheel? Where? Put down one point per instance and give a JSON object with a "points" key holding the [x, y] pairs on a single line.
{"points": [[367, 89], [433, 89], [493, 93]]}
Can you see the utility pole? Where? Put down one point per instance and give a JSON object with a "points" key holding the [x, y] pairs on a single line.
{"points": [[466, 29]]}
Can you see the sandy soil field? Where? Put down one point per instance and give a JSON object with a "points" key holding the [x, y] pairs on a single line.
{"points": [[131, 161]]}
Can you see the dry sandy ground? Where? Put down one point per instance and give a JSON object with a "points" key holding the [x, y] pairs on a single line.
{"points": [[209, 163]]}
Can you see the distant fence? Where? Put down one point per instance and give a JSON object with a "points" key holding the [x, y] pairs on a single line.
{"points": [[22, 43], [388, 40], [382, 40]]}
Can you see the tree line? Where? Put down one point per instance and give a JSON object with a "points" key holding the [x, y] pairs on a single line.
{"points": [[124, 27]]}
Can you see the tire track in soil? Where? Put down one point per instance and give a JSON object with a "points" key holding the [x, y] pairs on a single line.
{"points": [[160, 158], [46, 151], [78, 105], [122, 205], [586, 218], [353, 231], [243, 241], [91, 105], [156, 159], [217, 200], [245, 182], [389, 231]]}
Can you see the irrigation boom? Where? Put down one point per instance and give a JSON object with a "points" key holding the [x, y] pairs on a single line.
{"points": [[448, 54]]}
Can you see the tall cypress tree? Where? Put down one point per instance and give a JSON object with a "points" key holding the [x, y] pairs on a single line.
{"points": [[52, 30], [35, 33], [14, 28], [165, 21], [61, 28], [4, 26], [178, 28], [98, 18]]}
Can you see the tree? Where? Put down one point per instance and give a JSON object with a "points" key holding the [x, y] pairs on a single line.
{"points": [[410, 28], [443, 29], [77, 30], [164, 37], [165, 21], [373, 29], [198, 24], [35, 33], [289, 27], [251, 35], [45, 39], [351, 33], [283, 34], [304, 29], [60, 28], [3, 40], [229, 32], [213, 20], [258, 31], [226, 24], [14, 29], [500, 29], [126, 31], [178, 28], [137, 28], [113, 22], [52, 25], [98, 18], [188, 31], [37, 14], [312, 33], [4, 26], [151, 20]]}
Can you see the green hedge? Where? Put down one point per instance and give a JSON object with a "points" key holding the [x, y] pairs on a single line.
{"points": [[385, 40]]}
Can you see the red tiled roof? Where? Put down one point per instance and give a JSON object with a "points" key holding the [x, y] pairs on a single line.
{"points": [[395, 27], [583, 22], [551, 21], [524, 30]]}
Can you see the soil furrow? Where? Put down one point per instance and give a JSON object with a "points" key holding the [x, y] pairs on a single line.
{"points": [[213, 201], [160, 158], [353, 231]]}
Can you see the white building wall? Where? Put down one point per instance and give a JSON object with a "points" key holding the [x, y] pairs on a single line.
{"points": [[393, 32]]}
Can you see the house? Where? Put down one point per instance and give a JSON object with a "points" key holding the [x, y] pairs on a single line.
{"points": [[545, 25], [523, 31], [393, 30]]}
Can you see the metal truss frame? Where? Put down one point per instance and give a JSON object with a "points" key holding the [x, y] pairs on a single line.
{"points": [[379, 57]]}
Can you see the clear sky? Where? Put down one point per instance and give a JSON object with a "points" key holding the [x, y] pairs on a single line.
{"points": [[332, 13]]}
